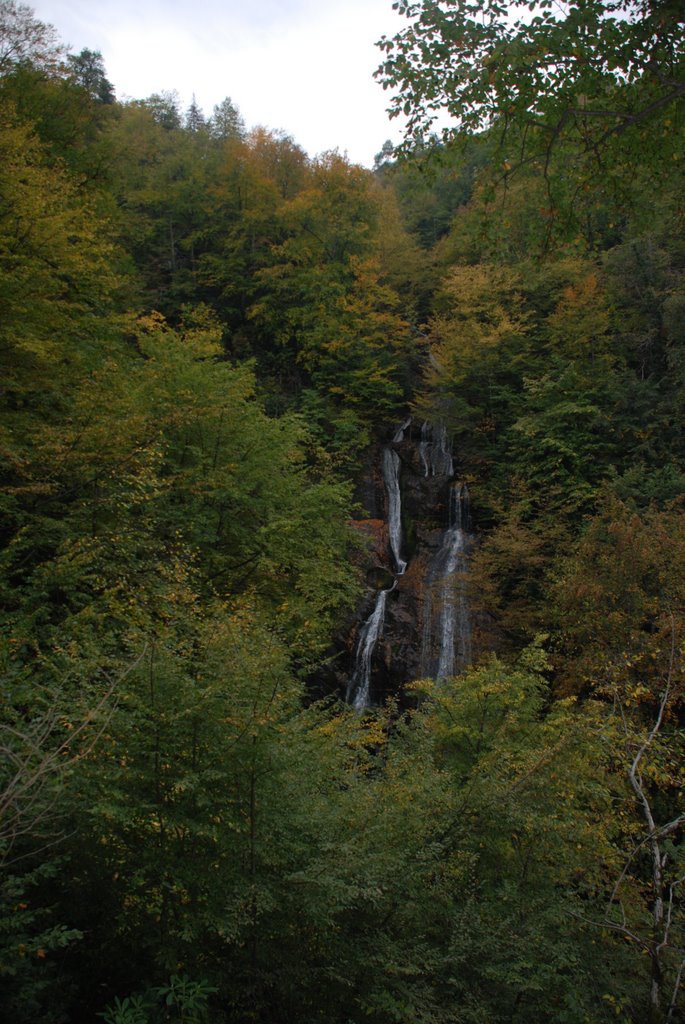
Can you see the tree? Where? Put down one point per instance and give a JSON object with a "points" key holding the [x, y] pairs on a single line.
{"points": [[165, 108], [583, 100], [621, 613], [161, 175], [490, 835], [480, 339], [56, 286], [593, 69], [194, 119], [383, 159], [322, 297], [279, 159], [24, 39], [226, 121], [88, 69], [431, 188], [160, 519]]}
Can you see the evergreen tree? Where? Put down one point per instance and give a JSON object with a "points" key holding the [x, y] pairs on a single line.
{"points": [[226, 121], [194, 120]]}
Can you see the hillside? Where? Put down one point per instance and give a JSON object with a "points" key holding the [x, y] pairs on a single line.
{"points": [[342, 555]]}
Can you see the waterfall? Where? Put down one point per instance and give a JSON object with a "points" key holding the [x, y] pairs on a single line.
{"points": [[399, 436], [391, 476], [436, 641], [455, 624], [359, 687], [435, 452], [442, 454], [446, 647], [423, 447]]}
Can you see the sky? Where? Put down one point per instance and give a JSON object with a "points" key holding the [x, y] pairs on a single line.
{"points": [[302, 66]]}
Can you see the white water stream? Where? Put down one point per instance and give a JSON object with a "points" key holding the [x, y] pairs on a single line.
{"points": [[435, 452], [359, 688], [446, 638], [446, 645], [391, 476]]}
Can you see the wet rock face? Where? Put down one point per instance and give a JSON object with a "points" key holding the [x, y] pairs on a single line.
{"points": [[408, 643]]}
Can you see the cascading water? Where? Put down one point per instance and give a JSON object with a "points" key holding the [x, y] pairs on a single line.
{"points": [[427, 624], [446, 648], [442, 454], [359, 688], [391, 476], [434, 451], [399, 436], [423, 447], [455, 623]]}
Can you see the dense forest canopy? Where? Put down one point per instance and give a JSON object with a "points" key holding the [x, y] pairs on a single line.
{"points": [[203, 332]]}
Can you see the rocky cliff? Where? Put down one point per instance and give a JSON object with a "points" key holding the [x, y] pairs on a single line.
{"points": [[414, 619]]}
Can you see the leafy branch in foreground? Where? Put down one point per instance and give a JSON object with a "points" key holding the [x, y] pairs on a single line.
{"points": [[552, 69]]}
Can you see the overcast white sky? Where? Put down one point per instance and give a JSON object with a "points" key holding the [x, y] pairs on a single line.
{"points": [[304, 66]]}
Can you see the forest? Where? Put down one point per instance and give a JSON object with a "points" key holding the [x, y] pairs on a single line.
{"points": [[204, 333]]}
